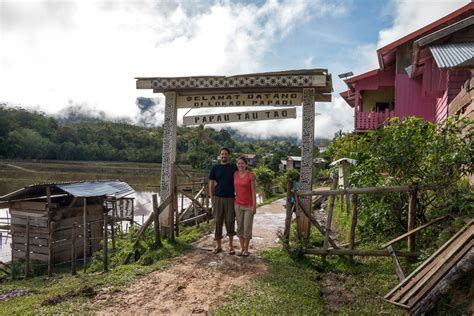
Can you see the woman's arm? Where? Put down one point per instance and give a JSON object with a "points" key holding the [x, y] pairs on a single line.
{"points": [[253, 186]]}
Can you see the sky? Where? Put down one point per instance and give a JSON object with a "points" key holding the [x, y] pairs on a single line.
{"points": [[84, 54]]}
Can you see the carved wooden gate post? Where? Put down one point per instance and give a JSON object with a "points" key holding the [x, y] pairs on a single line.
{"points": [[307, 144], [169, 152]]}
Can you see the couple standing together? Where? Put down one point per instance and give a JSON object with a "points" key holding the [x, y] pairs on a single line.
{"points": [[233, 192]]}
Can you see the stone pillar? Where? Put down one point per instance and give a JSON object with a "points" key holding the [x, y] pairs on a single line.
{"points": [[169, 151], [307, 144]]}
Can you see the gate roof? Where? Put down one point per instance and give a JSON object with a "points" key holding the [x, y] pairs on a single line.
{"points": [[282, 81]]}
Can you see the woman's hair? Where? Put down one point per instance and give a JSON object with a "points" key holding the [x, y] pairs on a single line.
{"points": [[244, 159]]}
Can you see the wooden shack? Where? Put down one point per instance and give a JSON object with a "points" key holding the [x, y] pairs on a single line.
{"points": [[48, 219]]}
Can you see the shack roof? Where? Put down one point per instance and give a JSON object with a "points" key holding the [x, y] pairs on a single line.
{"points": [[114, 188]]}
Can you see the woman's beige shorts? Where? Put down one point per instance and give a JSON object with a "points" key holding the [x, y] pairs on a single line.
{"points": [[244, 216]]}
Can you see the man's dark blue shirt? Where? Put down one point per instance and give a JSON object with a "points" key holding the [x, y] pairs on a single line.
{"points": [[224, 176]]}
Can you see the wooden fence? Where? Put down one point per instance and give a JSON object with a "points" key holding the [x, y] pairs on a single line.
{"points": [[330, 247]]}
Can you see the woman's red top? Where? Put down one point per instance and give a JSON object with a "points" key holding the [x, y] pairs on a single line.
{"points": [[243, 189]]}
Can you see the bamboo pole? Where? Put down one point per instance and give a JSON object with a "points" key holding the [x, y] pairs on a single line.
{"points": [[132, 221], [172, 204], [142, 229], [105, 259], [390, 189], [353, 224], [206, 201], [412, 194], [112, 223], [73, 249], [358, 252], [27, 254], [396, 263], [329, 218], [85, 234], [156, 216], [50, 231], [434, 221], [286, 232], [315, 222], [13, 256]]}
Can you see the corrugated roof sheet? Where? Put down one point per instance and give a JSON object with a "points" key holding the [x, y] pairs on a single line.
{"points": [[453, 55], [114, 188], [88, 189]]}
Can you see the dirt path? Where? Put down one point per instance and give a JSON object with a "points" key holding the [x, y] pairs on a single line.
{"points": [[198, 281]]}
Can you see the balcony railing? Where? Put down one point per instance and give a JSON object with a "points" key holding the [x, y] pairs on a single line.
{"points": [[371, 120]]}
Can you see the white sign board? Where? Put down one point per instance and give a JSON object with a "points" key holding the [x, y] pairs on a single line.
{"points": [[240, 99], [273, 114]]}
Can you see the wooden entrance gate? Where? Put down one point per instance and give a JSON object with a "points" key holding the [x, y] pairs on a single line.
{"points": [[286, 88]]}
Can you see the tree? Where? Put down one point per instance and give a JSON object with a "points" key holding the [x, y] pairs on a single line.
{"points": [[265, 178]]}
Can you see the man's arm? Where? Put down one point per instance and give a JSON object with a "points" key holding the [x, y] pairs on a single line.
{"points": [[212, 186]]}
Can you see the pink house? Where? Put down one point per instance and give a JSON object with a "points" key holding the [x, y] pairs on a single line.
{"points": [[419, 74]]}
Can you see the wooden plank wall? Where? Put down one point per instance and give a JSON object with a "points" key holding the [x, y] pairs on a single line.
{"points": [[62, 234]]}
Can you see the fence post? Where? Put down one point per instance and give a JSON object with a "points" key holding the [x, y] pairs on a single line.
{"points": [[329, 219], [112, 230], [50, 249], [412, 195], [73, 250], [27, 254], [105, 262], [85, 234], [353, 225], [156, 220], [286, 232], [172, 205]]}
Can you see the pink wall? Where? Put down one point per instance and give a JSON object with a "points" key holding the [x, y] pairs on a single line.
{"points": [[441, 107], [384, 79], [434, 79], [409, 99]]}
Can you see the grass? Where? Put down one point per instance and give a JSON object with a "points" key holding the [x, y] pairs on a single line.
{"points": [[41, 288], [304, 285]]}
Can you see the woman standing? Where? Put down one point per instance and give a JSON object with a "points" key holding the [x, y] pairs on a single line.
{"points": [[245, 204]]}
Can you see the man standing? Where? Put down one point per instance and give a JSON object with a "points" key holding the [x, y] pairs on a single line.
{"points": [[221, 191]]}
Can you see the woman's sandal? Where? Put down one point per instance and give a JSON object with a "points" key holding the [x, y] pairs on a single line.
{"points": [[245, 254], [216, 250], [231, 252], [239, 253]]}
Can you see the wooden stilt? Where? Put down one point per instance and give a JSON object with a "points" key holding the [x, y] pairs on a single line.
{"points": [[112, 224], [84, 223], [73, 249], [106, 259], [27, 254]]}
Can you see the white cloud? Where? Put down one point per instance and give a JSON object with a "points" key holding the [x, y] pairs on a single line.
{"points": [[88, 52], [414, 14], [408, 16]]}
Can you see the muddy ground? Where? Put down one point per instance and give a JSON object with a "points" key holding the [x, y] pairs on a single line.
{"points": [[198, 281]]}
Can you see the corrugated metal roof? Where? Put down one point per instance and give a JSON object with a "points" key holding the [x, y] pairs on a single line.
{"points": [[87, 189], [114, 188], [453, 55]]}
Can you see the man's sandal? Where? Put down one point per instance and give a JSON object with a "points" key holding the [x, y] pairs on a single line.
{"points": [[216, 250], [231, 252], [245, 254]]}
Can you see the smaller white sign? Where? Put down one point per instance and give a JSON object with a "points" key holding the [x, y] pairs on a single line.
{"points": [[273, 114]]}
